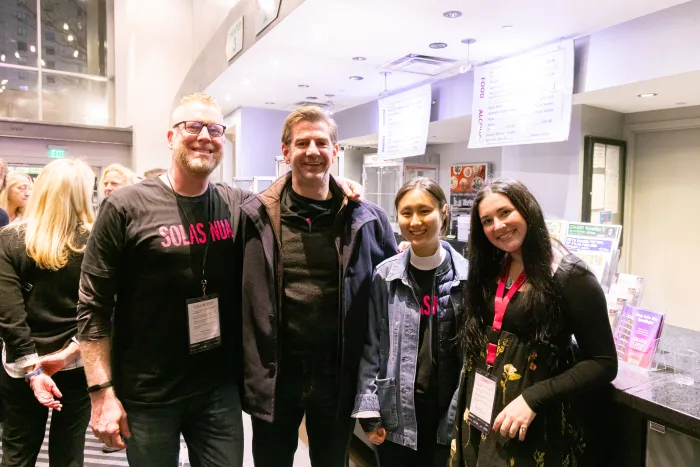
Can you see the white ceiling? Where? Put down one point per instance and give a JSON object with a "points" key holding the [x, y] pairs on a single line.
{"points": [[672, 91], [315, 44], [451, 130]]}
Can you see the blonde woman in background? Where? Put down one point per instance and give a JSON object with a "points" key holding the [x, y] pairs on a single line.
{"points": [[14, 196], [116, 176], [4, 218], [40, 259]]}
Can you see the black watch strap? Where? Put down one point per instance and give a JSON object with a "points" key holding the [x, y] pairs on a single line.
{"points": [[99, 387]]}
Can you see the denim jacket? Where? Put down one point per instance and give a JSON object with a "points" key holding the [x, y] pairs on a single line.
{"points": [[386, 385]]}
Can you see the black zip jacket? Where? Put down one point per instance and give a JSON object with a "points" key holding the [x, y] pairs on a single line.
{"points": [[363, 238]]}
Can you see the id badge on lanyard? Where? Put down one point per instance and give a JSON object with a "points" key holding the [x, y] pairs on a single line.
{"points": [[484, 390], [202, 313], [204, 324]]}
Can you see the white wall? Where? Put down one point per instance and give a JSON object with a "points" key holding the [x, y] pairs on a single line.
{"points": [[653, 46], [663, 115], [260, 141], [207, 16], [154, 51], [550, 171], [664, 227]]}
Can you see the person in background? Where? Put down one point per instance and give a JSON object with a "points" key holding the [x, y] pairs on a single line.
{"points": [[409, 373], [4, 218], [40, 259], [116, 176], [14, 197], [153, 173], [526, 299], [309, 254]]}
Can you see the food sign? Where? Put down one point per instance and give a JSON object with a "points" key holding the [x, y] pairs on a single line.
{"points": [[465, 181]]}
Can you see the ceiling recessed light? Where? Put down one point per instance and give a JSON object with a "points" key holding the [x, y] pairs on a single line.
{"points": [[356, 78], [359, 59], [508, 26], [438, 45], [648, 94], [452, 14], [329, 95], [3, 81], [269, 103], [681, 103], [312, 98], [303, 85], [468, 41]]}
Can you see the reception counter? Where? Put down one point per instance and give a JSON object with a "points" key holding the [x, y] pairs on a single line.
{"points": [[655, 420]]}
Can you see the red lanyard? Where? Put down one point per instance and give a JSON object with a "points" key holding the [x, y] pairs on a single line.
{"points": [[499, 307]]}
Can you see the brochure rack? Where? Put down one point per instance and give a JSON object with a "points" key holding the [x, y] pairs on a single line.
{"points": [[637, 335]]}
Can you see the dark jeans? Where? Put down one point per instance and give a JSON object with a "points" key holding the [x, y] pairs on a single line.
{"points": [[311, 391], [429, 452], [394, 455], [211, 425], [25, 421]]}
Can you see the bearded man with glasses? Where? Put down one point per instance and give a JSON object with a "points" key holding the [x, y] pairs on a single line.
{"points": [[170, 362]]}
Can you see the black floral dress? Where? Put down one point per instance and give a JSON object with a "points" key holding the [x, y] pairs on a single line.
{"points": [[557, 435]]}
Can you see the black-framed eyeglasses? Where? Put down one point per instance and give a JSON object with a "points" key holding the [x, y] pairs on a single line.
{"points": [[215, 130]]}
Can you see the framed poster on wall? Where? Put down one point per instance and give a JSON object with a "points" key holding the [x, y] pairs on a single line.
{"points": [[465, 181]]}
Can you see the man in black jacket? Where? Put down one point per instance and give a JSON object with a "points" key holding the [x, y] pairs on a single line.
{"points": [[309, 256]]}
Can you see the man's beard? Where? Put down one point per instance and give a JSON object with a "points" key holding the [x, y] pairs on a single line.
{"points": [[195, 165]]}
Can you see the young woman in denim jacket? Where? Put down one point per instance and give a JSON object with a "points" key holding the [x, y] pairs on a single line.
{"points": [[410, 367]]}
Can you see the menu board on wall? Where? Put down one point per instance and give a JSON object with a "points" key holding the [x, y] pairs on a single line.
{"points": [[465, 181], [403, 123], [524, 99]]}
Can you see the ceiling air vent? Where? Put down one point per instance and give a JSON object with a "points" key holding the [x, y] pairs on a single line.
{"points": [[421, 64], [296, 105]]}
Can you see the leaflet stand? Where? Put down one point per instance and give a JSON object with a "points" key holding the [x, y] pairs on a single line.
{"points": [[649, 359]]}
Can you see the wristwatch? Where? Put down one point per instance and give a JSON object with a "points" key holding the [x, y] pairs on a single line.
{"points": [[98, 387]]}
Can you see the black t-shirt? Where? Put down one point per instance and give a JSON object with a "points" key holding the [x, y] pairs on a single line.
{"points": [[144, 250], [425, 288]]}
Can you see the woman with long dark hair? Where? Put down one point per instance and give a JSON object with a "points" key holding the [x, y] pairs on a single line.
{"points": [[536, 337]]}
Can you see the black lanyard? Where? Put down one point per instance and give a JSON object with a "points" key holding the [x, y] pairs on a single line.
{"points": [[209, 220]]}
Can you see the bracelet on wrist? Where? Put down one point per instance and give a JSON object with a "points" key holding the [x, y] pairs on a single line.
{"points": [[98, 387], [32, 374]]}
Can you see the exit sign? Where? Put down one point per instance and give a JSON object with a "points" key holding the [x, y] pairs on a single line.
{"points": [[57, 153]]}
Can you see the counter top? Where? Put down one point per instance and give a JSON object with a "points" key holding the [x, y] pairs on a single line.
{"points": [[655, 393]]}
